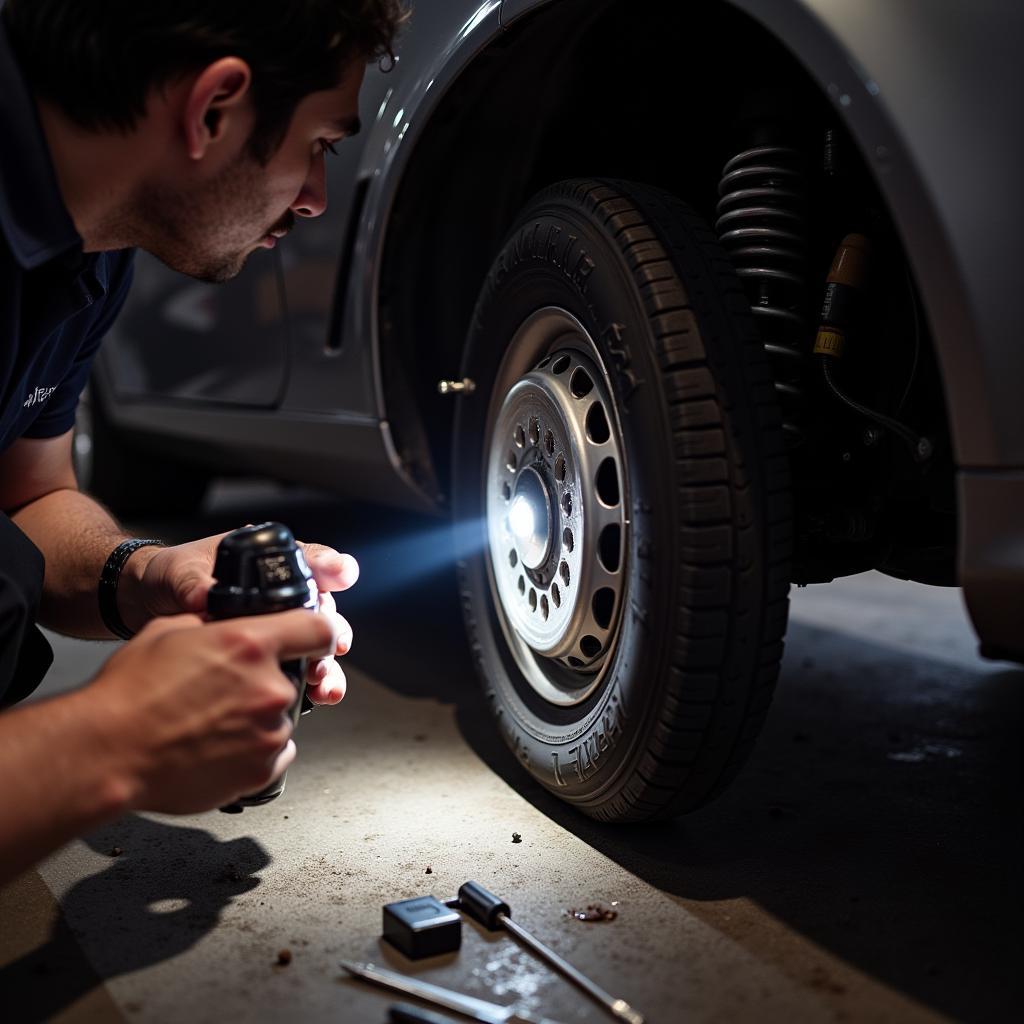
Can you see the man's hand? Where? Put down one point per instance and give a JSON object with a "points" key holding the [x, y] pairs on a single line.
{"points": [[169, 581], [196, 714]]}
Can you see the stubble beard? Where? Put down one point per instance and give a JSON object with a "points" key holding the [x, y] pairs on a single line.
{"points": [[205, 232]]}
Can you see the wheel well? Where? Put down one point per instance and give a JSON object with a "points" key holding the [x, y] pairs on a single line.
{"points": [[579, 88]]}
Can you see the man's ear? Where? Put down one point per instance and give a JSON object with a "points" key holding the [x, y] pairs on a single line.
{"points": [[217, 98]]}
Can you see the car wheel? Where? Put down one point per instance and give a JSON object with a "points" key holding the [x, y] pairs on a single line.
{"points": [[124, 476], [622, 505]]}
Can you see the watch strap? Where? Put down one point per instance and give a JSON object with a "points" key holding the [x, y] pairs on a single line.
{"points": [[109, 578]]}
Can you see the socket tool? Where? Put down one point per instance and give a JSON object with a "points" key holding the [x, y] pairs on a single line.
{"points": [[494, 914], [468, 1006], [422, 926], [406, 1013], [260, 570]]}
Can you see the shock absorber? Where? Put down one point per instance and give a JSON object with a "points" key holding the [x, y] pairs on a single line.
{"points": [[846, 280], [762, 225]]}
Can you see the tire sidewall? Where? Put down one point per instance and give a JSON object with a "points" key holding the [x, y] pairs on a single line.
{"points": [[557, 257]]}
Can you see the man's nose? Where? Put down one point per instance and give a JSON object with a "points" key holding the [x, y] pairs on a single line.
{"points": [[312, 198]]}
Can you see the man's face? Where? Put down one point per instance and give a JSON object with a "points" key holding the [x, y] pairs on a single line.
{"points": [[208, 228]]}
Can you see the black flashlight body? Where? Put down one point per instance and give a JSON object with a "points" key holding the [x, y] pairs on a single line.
{"points": [[260, 570]]}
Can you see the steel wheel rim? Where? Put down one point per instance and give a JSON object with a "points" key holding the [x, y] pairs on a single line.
{"points": [[554, 438]]}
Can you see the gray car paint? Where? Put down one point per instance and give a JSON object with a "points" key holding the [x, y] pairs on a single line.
{"points": [[923, 86], [433, 53]]}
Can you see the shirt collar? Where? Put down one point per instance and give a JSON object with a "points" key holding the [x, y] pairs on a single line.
{"points": [[33, 217]]}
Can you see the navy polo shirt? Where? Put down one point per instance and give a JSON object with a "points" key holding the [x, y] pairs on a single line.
{"points": [[56, 302]]}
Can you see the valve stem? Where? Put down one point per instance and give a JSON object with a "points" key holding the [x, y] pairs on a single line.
{"points": [[456, 387]]}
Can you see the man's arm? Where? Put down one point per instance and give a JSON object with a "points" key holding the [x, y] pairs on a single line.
{"points": [[62, 778], [76, 535], [39, 492], [209, 726]]}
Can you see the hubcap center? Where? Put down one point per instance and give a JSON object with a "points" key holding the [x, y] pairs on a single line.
{"points": [[529, 518]]}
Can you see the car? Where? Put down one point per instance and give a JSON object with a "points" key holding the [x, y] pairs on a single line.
{"points": [[669, 307]]}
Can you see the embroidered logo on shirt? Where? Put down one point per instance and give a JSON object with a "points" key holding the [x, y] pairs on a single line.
{"points": [[38, 396]]}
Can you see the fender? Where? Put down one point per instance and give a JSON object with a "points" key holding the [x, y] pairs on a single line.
{"points": [[921, 87], [445, 47]]}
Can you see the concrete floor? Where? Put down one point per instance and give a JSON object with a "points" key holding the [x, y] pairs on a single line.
{"points": [[865, 866]]}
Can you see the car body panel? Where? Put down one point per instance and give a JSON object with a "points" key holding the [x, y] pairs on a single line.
{"points": [[395, 107], [923, 87], [181, 339], [899, 76]]}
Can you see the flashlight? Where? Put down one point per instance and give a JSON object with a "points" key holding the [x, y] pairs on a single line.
{"points": [[260, 570]]}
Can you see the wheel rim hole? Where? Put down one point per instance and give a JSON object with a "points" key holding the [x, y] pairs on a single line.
{"points": [[580, 384], [513, 558], [560, 468], [603, 605], [511, 461], [556, 595], [574, 662], [563, 571], [549, 442], [597, 424], [567, 539], [544, 362], [608, 483], [544, 607], [590, 646], [533, 600], [520, 437], [567, 504], [560, 365], [609, 547], [522, 585], [506, 491], [534, 433]]}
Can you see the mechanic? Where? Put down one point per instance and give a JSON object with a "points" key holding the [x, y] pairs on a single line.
{"points": [[196, 131]]}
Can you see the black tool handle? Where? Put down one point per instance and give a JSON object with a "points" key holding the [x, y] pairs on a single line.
{"points": [[406, 1013], [482, 905]]}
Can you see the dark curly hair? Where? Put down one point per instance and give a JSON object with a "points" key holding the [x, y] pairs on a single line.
{"points": [[98, 60]]}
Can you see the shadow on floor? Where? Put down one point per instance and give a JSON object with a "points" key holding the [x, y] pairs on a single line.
{"points": [[159, 896], [879, 817]]}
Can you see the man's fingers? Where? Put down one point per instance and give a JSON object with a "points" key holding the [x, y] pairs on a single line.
{"points": [[305, 635], [344, 633], [282, 761], [169, 624], [344, 636], [327, 607], [284, 635], [194, 593], [333, 570], [326, 683]]}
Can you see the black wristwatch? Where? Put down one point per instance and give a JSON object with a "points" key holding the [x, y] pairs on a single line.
{"points": [[108, 584]]}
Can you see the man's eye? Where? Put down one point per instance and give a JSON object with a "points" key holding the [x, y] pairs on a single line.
{"points": [[328, 147]]}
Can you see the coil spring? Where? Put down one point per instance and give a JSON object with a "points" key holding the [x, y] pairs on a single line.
{"points": [[762, 225]]}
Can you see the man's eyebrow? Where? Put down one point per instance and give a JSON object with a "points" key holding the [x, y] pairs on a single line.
{"points": [[347, 125]]}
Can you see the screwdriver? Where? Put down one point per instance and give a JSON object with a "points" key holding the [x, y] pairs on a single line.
{"points": [[468, 1006], [494, 914]]}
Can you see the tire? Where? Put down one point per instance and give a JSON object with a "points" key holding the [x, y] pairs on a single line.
{"points": [[643, 699], [126, 478]]}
